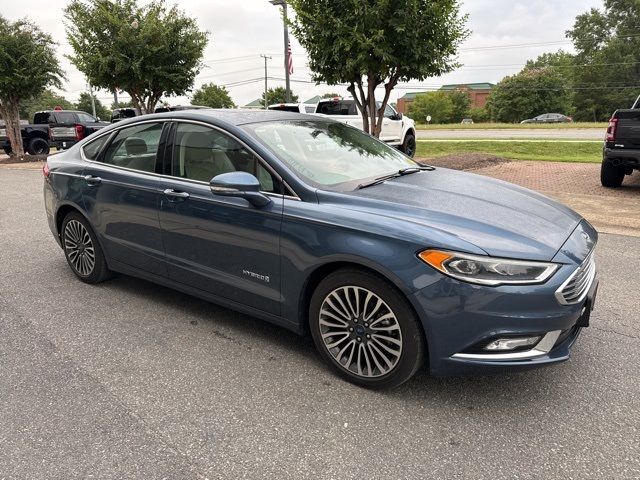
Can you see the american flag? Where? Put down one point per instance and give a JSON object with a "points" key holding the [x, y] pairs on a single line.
{"points": [[289, 60]]}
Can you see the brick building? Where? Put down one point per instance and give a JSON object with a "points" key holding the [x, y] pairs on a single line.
{"points": [[478, 92]]}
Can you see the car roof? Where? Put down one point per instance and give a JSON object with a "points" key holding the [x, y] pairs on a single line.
{"points": [[239, 116]]}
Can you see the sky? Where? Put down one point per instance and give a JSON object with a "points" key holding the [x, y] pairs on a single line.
{"points": [[505, 34]]}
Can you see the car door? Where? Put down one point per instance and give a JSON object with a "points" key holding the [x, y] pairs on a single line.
{"points": [[122, 196], [391, 126], [221, 245]]}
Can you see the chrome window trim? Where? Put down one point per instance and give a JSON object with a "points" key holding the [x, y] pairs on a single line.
{"points": [[172, 177], [543, 347]]}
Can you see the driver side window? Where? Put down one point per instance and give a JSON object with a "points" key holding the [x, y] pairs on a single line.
{"points": [[201, 153]]}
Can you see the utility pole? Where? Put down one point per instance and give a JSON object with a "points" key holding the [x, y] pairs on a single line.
{"points": [[93, 101], [283, 4], [266, 57]]}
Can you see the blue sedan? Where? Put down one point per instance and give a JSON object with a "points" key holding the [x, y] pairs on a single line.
{"points": [[389, 265]]}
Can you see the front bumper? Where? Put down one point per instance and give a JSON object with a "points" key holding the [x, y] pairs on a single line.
{"points": [[457, 317]]}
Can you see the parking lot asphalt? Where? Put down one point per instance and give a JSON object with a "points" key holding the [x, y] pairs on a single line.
{"points": [[131, 380]]}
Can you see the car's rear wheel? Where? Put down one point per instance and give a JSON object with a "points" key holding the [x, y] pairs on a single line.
{"points": [[365, 329], [409, 145], [82, 250], [38, 146], [611, 175], [7, 149]]}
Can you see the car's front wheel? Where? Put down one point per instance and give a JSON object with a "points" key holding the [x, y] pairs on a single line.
{"points": [[82, 250], [365, 329], [611, 175], [409, 145]]}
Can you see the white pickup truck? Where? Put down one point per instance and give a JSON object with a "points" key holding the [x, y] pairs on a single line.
{"points": [[397, 130]]}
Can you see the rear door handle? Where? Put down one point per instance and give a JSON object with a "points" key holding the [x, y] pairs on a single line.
{"points": [[174, 195], [92, 179]]}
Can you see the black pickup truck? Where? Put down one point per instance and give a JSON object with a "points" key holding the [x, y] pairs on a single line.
{"points": [[58, 128], [621, 146]]}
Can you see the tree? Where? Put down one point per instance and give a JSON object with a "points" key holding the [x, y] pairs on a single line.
{"points": [[528, 94], [461, 104], [84, 104], [438, 105], [369, 44], [210, 95], [28, 64], [46, 100], [480, 114], [278, 95], [147, 51], [607, 61]]}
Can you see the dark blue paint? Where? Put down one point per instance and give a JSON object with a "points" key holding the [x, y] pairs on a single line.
{"points": [[223, 249]]}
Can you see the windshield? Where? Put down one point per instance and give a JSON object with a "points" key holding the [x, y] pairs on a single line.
{"points": [[329, 154]]}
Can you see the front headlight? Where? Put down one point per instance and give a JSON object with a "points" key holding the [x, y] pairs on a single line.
{"points": [[488, 270]]}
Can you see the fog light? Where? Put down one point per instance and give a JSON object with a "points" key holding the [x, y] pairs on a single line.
{"points": [[502, 344]]}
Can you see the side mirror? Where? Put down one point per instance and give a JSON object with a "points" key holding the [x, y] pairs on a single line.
{"points": [[397, 116], [239, 184]]}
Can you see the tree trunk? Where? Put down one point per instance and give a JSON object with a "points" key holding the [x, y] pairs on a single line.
{"points": [[388, 87], [371, 90], [361, 103], [9, 110]]}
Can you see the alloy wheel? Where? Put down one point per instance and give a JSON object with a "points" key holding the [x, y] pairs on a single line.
{"points": [[79, 248], [360, 331]]}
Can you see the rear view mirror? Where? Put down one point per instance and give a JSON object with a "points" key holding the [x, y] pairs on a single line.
{"points": [[239, 184]]}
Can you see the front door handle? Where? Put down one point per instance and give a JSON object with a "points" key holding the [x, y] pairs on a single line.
{"points": [[92, 179], [174, 196]]}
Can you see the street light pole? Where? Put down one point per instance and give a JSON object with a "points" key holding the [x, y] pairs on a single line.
{"points": [[283, 4], [266, 57]]}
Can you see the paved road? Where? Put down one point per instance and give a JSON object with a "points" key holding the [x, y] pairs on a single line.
{"points": [[542, 134], [130, 380]]}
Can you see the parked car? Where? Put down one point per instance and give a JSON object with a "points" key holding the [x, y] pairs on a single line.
{"points": [[67, 127], [293, 107], [397, 129], [549, 118], [35, 136], [124, 113], [315, 226], [467, 121], [621, 152]]}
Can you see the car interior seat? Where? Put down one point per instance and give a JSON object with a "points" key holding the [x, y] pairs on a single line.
{"points": [[199, 158]]}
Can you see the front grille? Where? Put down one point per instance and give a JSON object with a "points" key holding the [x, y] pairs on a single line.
{"points": [[577, 285]]}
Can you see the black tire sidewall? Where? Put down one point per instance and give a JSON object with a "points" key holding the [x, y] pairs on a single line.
{"points": [[409, 140], [413, 342], [38, 144], [611, 176], [100, 270]]}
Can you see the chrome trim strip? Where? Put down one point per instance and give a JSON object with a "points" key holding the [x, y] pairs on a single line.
{"points": [[543, 347], [590, 276]]}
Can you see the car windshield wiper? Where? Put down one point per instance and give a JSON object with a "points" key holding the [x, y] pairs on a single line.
{"points": [[400, 173]]}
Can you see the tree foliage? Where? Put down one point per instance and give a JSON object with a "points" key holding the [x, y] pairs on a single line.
{"points": [[84, 104], [28, 65], [46, 100], [607, 71], [437, 105], [370, 44], [531, 92], [147, 51], [210, 95], [461, 104], [278, 95]]}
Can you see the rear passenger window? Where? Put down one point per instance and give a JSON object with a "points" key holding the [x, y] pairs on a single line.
{"points": [[135, 147], [92, 149]]}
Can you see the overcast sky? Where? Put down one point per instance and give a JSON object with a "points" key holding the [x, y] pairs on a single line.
{"points": [[504, 34]]}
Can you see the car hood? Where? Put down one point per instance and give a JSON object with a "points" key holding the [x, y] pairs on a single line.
{"points": [[498, 217]]}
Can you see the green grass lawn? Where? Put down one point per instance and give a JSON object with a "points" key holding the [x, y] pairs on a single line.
{"points": [[511, 126], [590, 152]]}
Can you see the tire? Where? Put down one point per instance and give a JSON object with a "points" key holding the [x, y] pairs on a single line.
{"points": [[7, 149], [611, 176], [409, 145], [38, 146], [386, 329], [79, 243]]}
